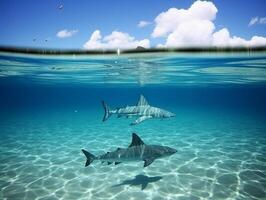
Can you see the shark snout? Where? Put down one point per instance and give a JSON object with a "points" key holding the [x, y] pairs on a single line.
{"points": [[169, 114], [173, 151], [172, 114]]}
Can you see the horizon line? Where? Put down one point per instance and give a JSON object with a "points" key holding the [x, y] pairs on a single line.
{"points": [[198, 49]]}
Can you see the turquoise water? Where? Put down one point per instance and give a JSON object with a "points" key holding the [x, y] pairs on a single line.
{"points": [[50, 108]]}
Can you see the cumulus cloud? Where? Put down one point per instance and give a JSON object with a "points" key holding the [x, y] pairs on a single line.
{"points": [[257, 20], [194, 33], [195, 27], [223, 38], [115, 40], [169, 21], [66, 33], [142, 24]]}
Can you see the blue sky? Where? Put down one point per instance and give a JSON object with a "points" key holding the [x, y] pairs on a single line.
{"points": [[22, 21]]}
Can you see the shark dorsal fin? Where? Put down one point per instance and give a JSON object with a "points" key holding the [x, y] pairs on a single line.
{"points": [[142, 101], [136, 141]]}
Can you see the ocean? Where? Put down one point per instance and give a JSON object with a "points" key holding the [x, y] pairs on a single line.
{"points": [[50, 109]]}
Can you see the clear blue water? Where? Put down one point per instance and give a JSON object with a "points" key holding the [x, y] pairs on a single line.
{"points": [[50, 109]]}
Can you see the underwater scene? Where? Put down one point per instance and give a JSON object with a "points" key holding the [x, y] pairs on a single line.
{"points": [[172, 125]]}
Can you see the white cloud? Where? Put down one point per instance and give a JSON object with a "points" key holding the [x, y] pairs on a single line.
{"points": [[263, 20], [257, 20], [223, 38], [193, 33], [253, 21], [142, 24], [195, 27], [160, 45], [257, 41], [114, 41], [66, 33], [169, 21]]}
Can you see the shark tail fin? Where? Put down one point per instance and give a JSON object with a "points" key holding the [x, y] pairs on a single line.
{"points": [[90, 157], [107, 113]]}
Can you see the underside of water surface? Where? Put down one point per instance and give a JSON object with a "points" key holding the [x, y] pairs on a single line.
{"points": [[50, 109]]}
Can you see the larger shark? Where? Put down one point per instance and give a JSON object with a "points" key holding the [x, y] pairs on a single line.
{"points": [[142, 110], [136, 151]]}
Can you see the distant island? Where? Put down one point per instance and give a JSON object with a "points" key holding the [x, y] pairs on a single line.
{"points": [[140, 48]]}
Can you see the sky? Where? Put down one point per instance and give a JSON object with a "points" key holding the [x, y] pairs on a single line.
{"points": [[104, 24]]}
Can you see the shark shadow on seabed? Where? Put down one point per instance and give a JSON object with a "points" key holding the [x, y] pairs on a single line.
{"points": [[140, 180]]}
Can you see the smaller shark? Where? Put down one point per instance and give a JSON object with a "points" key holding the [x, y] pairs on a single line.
{"points": [[142, 110], [137, 151]]}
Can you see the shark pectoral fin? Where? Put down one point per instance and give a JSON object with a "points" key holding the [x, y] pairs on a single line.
{"points": [[148, 161], [109, 163], [140, 119], [144, 185], [116, 163]]}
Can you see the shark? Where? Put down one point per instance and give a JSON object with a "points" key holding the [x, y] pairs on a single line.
{"points": [[142, 111], [136, 151]]}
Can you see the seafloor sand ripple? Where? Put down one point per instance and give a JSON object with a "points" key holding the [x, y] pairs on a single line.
{"points": [[41, 159]]}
